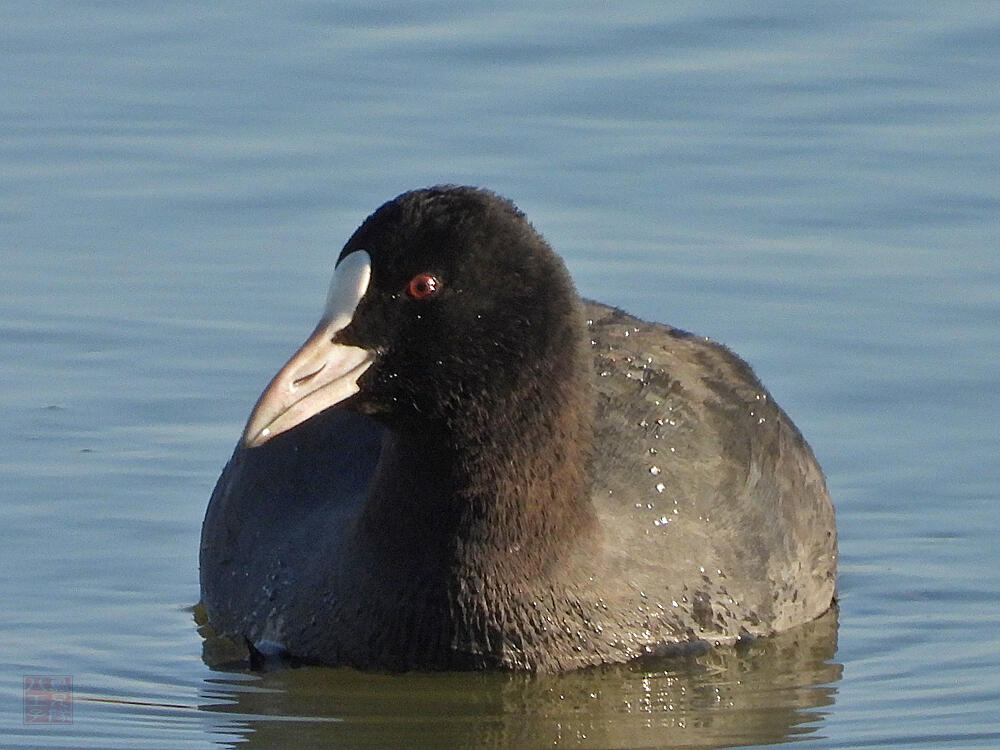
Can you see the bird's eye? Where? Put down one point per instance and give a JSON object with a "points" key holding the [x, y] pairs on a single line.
{"points": [[423, 286]]}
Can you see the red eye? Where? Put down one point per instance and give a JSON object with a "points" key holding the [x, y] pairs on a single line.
{"points": [[423, 286]]}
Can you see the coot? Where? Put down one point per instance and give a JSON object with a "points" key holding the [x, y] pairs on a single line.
{"points": [[466, 466]]}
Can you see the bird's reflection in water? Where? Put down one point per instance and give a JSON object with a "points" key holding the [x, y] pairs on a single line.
{"points": [[765, 692]]}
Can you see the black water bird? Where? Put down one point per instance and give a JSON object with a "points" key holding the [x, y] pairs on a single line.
{"points": [[467, 466]]}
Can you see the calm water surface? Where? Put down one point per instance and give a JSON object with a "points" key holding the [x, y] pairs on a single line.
{"points": [[815, 185]]}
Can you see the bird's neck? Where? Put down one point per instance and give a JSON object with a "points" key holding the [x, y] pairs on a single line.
{"points": [[501, 492]]}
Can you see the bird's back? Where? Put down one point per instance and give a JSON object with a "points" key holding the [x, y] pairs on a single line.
{"points": [[715, 514]]}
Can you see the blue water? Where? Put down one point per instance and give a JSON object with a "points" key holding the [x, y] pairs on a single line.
{"points": [[817, 186]]}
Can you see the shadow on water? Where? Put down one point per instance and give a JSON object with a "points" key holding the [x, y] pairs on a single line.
{"points": [[770, 691]]}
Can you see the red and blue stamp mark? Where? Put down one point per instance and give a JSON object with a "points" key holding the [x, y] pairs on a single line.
{"points": [[48, 699]]}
